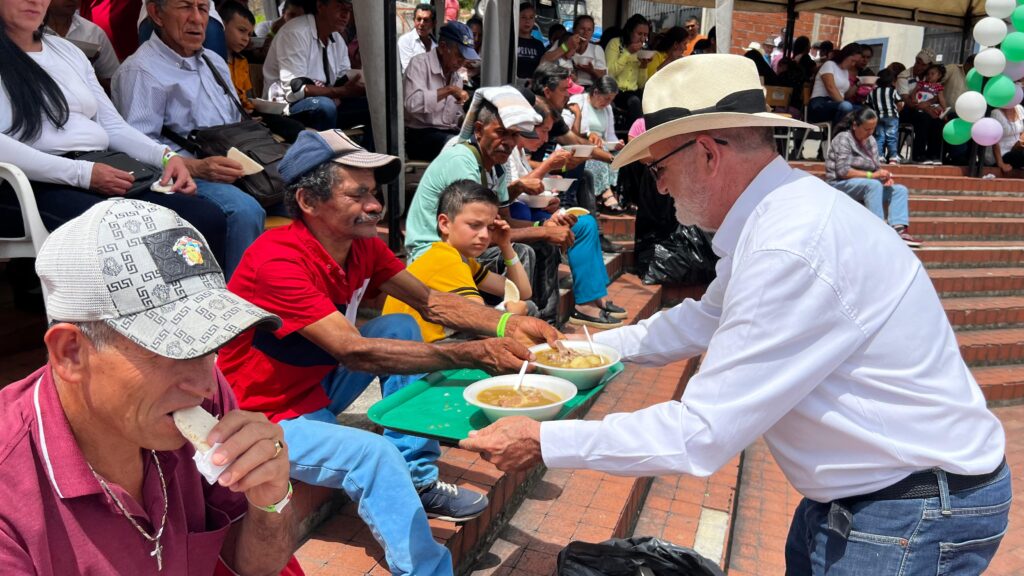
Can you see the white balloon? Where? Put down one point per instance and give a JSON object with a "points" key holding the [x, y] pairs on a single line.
{"points": [[990, 62], [971, 106], [990, 31], [1000, 8]]}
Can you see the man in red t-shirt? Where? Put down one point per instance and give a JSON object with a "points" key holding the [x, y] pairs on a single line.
{"points": [[313, 274]]}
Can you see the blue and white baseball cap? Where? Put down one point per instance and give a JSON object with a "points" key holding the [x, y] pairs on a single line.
{"points": [[311, 149]]}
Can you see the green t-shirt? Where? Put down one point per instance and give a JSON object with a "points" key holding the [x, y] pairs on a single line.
{"points": [[458, 162]]}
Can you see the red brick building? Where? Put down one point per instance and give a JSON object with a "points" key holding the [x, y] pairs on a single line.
{"points": [[761, 27]]}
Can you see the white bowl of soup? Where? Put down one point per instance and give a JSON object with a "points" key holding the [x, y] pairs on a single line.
{"points": [[538, 200], [579, 366], [540, 397]]}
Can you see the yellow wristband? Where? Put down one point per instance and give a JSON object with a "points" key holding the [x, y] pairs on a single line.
{"points": [[500, 332], [869, 175]]}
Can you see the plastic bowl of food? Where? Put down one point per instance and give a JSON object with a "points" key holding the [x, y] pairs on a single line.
{"points": [[540, 397], [538, 200], [581, 150], [645, 54], [577, 366], [867, 80], [558, 184]]}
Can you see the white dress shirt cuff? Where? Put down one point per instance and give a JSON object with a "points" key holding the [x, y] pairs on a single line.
{"points": [[560, 442]]}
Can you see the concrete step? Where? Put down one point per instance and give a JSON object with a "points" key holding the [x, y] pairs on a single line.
{"points": [[992, 347], [953, 282], [985, 312], [339, 543], [1001, 383], [934, 205], [971, 253], [967, 227]]}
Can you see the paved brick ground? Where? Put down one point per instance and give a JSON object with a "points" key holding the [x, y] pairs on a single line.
{"points": [[767, 501]]}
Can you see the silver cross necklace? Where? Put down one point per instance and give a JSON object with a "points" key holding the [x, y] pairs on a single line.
{"points": [[155, 539]]}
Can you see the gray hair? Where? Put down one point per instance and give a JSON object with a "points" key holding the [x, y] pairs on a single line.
{"points": [[319, 185], [98, 332], [750, 139], [548, 75]]}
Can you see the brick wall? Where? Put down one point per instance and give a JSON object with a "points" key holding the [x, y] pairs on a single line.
{"points": [[760, 27]]}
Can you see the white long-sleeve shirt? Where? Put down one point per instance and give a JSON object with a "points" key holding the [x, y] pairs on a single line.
{"points": [[821, 332], [93, 123], [297, 52]]}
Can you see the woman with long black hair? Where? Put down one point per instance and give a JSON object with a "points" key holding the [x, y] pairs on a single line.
{"points": [[46, 127], [625, 65]]}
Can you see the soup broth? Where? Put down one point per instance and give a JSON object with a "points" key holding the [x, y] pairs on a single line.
{"points": [[526, 397], [571, 359]]}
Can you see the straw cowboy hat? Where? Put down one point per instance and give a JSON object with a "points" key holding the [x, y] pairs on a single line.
{"points": [[702, 92]]}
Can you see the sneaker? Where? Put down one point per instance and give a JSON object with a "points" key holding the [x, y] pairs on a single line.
{"points": [[894, 161], [602, 320], [906, 237], [933, 162], [446, 501]]}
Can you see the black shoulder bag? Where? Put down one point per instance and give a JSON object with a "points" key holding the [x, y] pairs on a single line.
{"points": [[250, 137]]}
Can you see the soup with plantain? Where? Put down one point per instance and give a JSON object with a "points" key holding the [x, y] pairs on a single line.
{"points": [[571, 359], [525, 397]]}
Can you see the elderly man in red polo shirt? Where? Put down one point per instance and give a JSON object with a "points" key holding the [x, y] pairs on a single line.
{"points": [[94, 476]]}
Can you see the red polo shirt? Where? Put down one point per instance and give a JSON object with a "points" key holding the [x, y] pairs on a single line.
{"points": [[55, 519], [288, 272]]}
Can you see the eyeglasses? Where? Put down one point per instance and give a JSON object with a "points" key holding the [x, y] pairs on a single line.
{"points": [[656, 170]]}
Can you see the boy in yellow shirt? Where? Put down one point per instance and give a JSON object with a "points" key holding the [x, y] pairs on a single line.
{"points": [[468, 222]]}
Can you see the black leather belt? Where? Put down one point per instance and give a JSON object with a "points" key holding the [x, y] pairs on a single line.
{"points": [[926, 485]]}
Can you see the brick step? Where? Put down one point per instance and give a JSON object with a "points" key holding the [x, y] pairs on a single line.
{"points": [[985, 311], [952, 185], [967, 227], [952, 282], [917, 170], [339, 543], [932, 205], [1001, 383], [618, 227], [693, 512], [613, 264], [992, 347], [568, 505], [971, 253]]}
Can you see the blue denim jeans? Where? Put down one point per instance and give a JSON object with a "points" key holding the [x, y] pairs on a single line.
{"points": [[825, 109], [317, 112], [243, 215], [957, 535], [381, 474], [887, 134], [875, 195]]}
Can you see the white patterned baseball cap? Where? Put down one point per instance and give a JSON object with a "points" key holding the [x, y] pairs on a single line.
{"points": [[148, 274]]}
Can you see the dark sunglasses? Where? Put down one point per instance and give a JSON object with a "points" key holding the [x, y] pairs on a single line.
{"points": [[655, 170]]}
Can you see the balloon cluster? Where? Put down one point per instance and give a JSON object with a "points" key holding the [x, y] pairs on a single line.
{"points": [[992, 82]]}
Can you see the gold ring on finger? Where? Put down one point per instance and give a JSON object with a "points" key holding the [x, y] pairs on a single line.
{"points": [[277, 448]]}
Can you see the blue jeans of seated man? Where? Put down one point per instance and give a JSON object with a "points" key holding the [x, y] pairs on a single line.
{"points": [[825, 109], [887, 135], [321, 113], [381, 474], [243, 215], [589, 276], [875, 195], [907, 537]]}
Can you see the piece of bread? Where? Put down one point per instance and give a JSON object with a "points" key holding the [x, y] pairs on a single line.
{"points": [[511, 291], [195, 425]]}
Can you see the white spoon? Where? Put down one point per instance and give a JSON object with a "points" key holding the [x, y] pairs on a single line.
{"points": [[589, 339], [522, 376]]}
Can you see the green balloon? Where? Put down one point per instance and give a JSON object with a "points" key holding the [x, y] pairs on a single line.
{"points": [[1017, 18], [974, 80], [999, 90], [957, 131], [1013, 46]]}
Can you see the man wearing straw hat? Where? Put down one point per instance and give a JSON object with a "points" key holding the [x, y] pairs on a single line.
{"points": [[822, 333]]}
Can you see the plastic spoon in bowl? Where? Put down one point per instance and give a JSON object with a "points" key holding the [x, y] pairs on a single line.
{"points": [[589, 339], [522, 376]]}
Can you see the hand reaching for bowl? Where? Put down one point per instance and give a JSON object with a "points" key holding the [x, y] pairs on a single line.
{"points": [[529, 331], [510, 443]]}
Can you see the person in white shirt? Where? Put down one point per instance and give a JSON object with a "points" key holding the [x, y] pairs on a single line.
{"points": [[588, 60], [420, 39], [171, 85], [822, 332], [832, 87], [63, 19], [308, 67]]}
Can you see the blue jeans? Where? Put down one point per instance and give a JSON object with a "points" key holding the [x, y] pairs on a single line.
{"points": [[380, 473], [825, 109], [914, 537], [243, 215], [887, 133], [316, 112], [875, 195], [589, 276]]}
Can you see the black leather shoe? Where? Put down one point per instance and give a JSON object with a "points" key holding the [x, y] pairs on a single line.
{"points": [[602, 320], [613, 310]]}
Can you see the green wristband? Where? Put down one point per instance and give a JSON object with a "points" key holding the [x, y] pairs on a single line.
{"points": [[869, 175], [500, 332], [564, 47]]}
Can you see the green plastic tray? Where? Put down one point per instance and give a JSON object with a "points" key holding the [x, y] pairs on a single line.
{"points": [[433, 406]]}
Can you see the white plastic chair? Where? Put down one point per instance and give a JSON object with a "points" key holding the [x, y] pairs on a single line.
{"points": [[26, 246]]}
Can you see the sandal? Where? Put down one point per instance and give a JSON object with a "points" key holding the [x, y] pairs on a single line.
{"points": [[613, 310], [602, 320], [610, 205]]}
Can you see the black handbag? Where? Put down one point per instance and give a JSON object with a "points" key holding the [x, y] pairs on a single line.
{"points": [[250, 137], [144, 175]]}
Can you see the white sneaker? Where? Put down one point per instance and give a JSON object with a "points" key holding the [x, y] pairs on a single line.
{"points": [[894, 161]]}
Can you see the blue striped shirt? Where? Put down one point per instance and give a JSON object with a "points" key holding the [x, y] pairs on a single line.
{"points": [[157, 87]]}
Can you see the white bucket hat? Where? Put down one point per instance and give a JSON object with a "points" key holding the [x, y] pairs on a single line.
{"points": [[698, 93]]}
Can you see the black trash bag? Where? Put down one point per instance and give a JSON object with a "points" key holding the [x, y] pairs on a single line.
{"points": [[626, 557], [684, 258]]}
